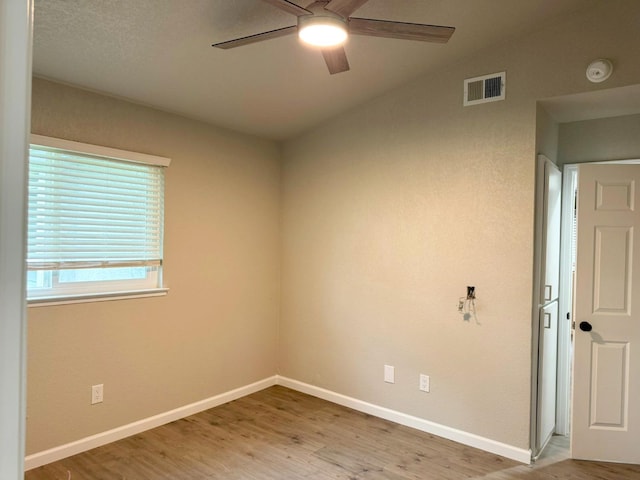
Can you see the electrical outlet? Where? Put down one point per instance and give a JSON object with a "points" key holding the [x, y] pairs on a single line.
{"points": [[471, 293], [424, 382], [389, 374], [97, 394]]}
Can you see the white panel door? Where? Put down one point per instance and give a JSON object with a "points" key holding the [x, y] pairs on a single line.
{"points": [[548, 322], [547, 365], [606, 388], [551, 232]]}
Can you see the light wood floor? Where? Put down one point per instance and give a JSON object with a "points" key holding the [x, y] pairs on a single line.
{"points": [[281, 434]]}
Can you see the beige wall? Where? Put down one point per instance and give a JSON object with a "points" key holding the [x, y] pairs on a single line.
{"points": [[547, 135], [616, 138], [215, 330], [385, 214], [391, 210]]}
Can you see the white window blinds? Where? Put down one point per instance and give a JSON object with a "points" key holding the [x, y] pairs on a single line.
{"points": [[88, 211]]}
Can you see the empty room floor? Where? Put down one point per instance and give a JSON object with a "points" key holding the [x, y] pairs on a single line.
{"points": [[282, 434]]}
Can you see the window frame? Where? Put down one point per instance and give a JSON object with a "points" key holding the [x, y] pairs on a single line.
{"points": [[100, 290]]}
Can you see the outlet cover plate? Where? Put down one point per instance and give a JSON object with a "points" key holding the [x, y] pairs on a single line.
{"points": [[424, 382], [389, 374], [97, 394]]}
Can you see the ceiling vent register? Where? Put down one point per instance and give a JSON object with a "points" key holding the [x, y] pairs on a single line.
{"points": [[487, 88]]}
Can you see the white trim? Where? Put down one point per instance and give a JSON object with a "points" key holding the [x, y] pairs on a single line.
{"points": [[535, 304], [563, 395], [87, 443], [100, 151], [466, 438], [103, 438], [16, 24], [96, 297]]}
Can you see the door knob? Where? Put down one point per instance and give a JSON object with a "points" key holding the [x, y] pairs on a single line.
{"points": [[585, 326]]}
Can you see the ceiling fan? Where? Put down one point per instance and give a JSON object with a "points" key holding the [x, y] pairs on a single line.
{"points": [[327, 23]]}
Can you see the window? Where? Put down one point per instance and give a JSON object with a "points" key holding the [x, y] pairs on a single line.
{"points": [[95, 220]]}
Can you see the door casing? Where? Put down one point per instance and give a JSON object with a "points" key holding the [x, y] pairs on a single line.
{"points": [[16, 20]]}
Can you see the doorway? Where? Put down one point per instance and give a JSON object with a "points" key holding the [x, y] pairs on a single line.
{"points": [[566, 323], [572, 130]]}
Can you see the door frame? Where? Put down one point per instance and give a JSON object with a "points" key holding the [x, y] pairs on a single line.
{"points": [[535, 316], [16, 26], [565, 352]]}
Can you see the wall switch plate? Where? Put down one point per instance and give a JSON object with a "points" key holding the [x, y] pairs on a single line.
{"points": [[97, 394], [389, 374], [424, 382]]}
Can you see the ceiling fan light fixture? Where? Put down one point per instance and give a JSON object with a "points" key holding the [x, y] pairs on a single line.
{"points": [[322, 31]]}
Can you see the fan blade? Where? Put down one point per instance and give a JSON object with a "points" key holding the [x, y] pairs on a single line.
{"points": [[405, 31], [288, 7], [344, 8], [258, 37], [336, 59]]}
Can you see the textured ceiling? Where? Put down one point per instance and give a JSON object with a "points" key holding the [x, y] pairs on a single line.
{"points": [[158, 52]]}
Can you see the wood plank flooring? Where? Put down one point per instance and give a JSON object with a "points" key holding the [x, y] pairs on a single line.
{"points": [[282, 434]]}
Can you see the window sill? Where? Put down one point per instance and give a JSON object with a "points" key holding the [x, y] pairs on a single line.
{"points": [[95, 297]]}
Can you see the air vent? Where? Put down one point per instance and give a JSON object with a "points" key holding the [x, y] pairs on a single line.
{"points": [[488, 88]]}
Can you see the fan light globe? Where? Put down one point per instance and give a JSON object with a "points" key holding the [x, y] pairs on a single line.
{"points": [[322, 31]]}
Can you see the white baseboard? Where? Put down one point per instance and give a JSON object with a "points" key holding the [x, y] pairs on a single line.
{"points": [[466, 438], [84, 444]]}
